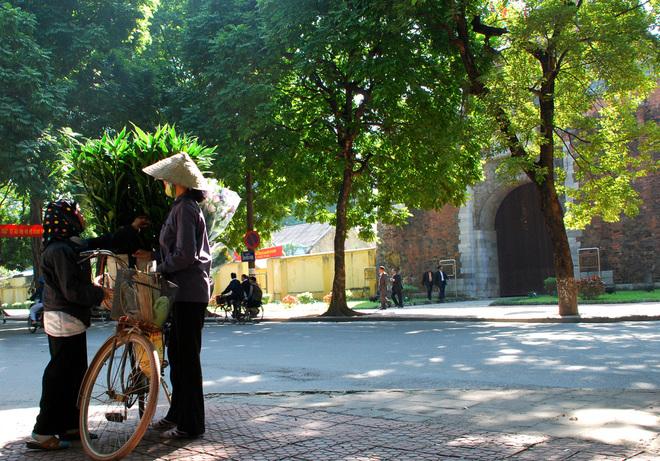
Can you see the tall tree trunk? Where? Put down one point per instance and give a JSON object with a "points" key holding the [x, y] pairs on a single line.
{"points": [[249, 206], [563, 262], [35, 218], [544, 179], [550, 207], [338, 306]]}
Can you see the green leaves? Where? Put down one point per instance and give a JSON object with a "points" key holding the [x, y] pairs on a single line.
{"points": [[595, 61], [108, 179], [29, 99]]}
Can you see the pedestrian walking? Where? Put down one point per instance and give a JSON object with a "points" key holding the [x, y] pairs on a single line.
{"points": [[68, 297], [397, 288], [427, 282], [382, 287], [185, 259], [441, 282]]}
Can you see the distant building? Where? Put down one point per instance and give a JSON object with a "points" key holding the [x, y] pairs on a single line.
{"points": [[500, 246], [313, 238]]}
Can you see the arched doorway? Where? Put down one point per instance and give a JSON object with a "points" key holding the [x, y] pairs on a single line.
{"points": [[523, 245]]}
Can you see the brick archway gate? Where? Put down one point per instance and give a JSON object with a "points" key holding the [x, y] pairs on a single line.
{"points": [[523, 246]]}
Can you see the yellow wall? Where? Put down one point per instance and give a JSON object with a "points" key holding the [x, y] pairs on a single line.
{"points": [[313, 273], [15, 290]]}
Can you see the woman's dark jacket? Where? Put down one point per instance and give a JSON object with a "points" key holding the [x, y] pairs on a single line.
{"points": [[68, 285], [185, 255]]}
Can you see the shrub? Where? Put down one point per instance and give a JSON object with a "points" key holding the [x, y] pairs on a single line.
{"points": [[550, 285], [21, 305], [590, 287], [265, 298], [349, 294], [306, 298], [290, 300], [410, 288], [327, 298]]}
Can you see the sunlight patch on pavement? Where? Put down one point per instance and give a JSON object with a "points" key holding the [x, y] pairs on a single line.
{"points": [[235, 379], [531, 360], [463, 367], [617, 426], [582, 368], [369, 374], [16, 424], [643, 385], [510, 351]]}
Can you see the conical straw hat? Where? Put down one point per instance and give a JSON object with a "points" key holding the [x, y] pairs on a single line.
{"points": [[178, 169]]}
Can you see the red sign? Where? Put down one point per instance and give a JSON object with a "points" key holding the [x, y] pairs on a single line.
{"points": [[21, 230], [272, 252], [251, 239]]}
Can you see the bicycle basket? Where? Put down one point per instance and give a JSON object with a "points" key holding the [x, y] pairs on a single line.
{"points": [[142, 296]]}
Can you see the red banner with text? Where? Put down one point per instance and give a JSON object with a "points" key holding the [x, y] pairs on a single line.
{"points": [[21, 230], [264, 253]]}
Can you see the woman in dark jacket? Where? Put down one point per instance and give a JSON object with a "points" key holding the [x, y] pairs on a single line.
{"points": [[185, 259], [68, 297]]}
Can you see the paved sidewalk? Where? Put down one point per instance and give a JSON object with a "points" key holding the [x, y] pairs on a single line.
{"points": [[491, 424], [478, 310]]}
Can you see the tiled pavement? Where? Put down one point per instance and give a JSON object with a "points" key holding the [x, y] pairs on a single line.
{"points": [[541, 424]]}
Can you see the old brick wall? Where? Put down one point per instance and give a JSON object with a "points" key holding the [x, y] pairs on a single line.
{"points": [[416, 247], [630, 247]]}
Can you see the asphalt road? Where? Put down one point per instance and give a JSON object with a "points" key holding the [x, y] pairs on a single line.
{"points": [[383, 355]]}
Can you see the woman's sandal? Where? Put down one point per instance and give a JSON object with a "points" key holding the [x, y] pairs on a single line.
{"points": [[51, 443]]}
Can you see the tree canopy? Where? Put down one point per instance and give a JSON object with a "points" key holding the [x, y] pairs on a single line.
{"points": [[231, 98], [348, 112], [29, 99], [560, 78], [378, 117]]}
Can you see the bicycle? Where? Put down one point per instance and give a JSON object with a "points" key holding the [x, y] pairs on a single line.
{"points": [[119, 393], [239, 314]]}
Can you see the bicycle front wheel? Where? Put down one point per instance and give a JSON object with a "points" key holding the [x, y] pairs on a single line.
{"points": [[118, 397]]}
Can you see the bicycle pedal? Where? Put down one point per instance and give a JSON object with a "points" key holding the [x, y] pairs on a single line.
{"points": [[115, 417]]}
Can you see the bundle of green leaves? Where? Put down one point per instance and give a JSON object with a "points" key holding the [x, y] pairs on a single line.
{"points": [[108, 180]]}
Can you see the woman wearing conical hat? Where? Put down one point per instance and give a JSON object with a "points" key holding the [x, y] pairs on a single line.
{"points": [[185, 259]]}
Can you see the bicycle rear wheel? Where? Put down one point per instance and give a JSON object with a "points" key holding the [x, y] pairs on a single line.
{"points": [[118, 397]]}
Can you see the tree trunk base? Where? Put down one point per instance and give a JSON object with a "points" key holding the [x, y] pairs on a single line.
{"points": [[341, 311], [567, 296]]}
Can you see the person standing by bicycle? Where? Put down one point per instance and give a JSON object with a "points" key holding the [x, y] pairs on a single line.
{"points": [[68, 298], [184, 259]]}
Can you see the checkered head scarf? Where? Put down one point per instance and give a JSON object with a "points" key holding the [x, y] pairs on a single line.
{"points": [[61, 221]]}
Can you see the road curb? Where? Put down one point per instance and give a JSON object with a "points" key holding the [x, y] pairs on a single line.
{"points": [[428, 318]]}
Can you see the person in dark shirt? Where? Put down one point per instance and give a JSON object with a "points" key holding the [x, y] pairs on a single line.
{"points": [[441, 282], [397, 288], [427, 282], [234, 294], [68, 297], [245, 286], [185, 260]]}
